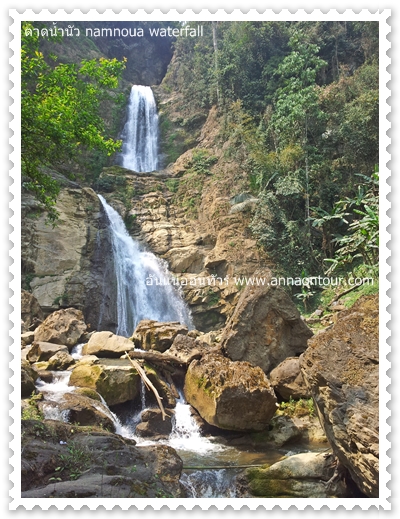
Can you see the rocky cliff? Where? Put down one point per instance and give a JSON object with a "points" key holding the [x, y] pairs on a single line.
{"points": [[70, 264], [341, 370]]}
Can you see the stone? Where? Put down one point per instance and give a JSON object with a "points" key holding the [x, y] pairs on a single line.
{"points": [[28, 377], [265, 327], [186, 349], [27, 338], [43, 351], [62, 327], [106, 344], [31, 311], [154, 335], [341, 370], [90, 393], [305, 475], [83, 410], [60, 361], [68, 264], [114, 379], [288, 381], [230, 395], [110, 466], [152, 425]]}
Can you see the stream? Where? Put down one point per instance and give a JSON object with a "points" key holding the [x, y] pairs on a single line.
{"points": [[203, 456]]}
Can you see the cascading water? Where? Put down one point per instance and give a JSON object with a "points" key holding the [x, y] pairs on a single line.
{"points": [[135, 269], [140, 134]]}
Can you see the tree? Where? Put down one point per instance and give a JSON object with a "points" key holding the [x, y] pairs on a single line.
{"points": [[60, 114]]}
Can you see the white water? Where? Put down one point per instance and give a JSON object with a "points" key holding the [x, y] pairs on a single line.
{"points": [[55, 389], [140, 134], [137, 300]]}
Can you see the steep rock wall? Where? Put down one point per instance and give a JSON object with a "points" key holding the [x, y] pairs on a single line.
{"points": [[69, 264]]}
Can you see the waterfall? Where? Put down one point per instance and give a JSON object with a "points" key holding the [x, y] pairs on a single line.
{"points": [[137, 300], [140, 134]]}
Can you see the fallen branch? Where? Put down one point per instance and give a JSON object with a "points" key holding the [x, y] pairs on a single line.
{"points": [[346, 292], [148, 383]]}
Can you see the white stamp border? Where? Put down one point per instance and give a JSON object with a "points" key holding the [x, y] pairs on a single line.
{"points": [[384, 254]]}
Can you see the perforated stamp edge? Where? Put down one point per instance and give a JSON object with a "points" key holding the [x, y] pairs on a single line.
{"points": [[384, 254]]}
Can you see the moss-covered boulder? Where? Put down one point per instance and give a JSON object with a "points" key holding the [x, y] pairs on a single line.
{"points": [[114, 379], [230, 395], [302, 475]]}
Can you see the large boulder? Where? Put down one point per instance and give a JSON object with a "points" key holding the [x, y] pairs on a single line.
{"points": [[106, 344], [82, 410], [115, 379], [288, 381], [185, 349], [62, 327], [301, 475], [60, 361], [28, 377], [341, 370], [42, 351], [265, 327], [31, 312], [95, 463], [153, 335], [230, 395], [153, 426]]}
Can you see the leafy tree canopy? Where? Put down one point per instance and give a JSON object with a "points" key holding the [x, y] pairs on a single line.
{"points": [[60, 114]]}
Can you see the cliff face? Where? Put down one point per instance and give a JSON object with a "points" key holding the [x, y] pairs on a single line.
{"points": [[69, 264]]}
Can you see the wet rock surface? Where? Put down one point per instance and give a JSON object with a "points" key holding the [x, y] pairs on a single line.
{"points": [[341, 368]]}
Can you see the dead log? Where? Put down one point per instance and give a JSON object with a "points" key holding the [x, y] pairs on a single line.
{"points": [[148, 384]]}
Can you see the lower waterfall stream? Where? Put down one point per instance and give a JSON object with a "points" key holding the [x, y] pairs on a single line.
{"points": [[210, 463]]}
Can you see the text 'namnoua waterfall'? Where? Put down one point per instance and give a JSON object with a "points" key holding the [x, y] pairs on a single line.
{"points": [[140, 134], [137, 299]]}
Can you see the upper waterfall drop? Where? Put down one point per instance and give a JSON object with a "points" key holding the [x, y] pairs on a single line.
{"points": [[140, 134], [136, 299]]}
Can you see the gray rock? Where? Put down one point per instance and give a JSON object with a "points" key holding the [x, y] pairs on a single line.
{"points": [[62, 327], [288, 381], [153, 335], [60, 361], [305, 475], [152, 425], [265, 327], [341, 369], [43, 351], [106, 344]]}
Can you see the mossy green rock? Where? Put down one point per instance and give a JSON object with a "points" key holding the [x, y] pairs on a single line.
{"points": [[230, 395], [114, 379], [301, 475]]}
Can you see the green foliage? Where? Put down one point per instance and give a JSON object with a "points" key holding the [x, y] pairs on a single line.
{"points": [[172, 184], [300, 407], [76, 460], [60, 114], [32, 411], [188, 194], [359, 215]]}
